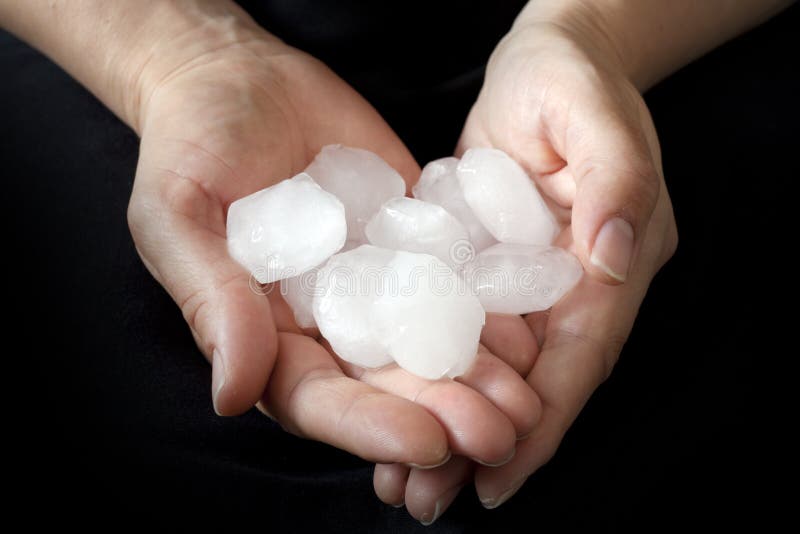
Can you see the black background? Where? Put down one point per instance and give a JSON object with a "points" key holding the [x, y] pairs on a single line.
{"points": [[108, 408]]}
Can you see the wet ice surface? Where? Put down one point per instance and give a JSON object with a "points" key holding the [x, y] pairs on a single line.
{"points": [[346, 290], [298, 291], [439, 184], [376, 305], [504, 198], [286, 229], [360, 179], [431, 323], [417, 226], [419, 297], [519, 279]]}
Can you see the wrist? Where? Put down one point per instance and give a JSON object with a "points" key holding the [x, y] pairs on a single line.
{"points": [[177, 39], [649, 40], [587, 26], [121, 50]]}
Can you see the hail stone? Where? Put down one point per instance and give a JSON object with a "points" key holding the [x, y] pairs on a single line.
{"points": [[343, 307], [430, 322], [298, 291], [375, 305], [439, 184], [360, 179], [519, 279], [504, 198], [286, 229], [418, 226]]}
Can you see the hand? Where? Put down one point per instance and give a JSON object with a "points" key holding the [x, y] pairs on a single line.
{"points": [[229, 116], [558, 102]]}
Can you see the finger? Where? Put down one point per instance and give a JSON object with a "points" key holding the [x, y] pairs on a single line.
{"points": [[429, 492], [310, 397], [584, 334], [506, 389], [617, 185], [180, 233], [475, 427], [558, 186], [389, 481], [509, 338], [537, 322]]}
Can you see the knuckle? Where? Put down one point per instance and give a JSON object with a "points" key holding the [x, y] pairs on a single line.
{"points": [[610, 351], [643, 181], [138, 215], [163, 193], [550, 446], [670, 240], [639, 185], [606, 349], [194, 302], [193, 307], [183, 195]]}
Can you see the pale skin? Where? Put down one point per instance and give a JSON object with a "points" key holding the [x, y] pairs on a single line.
{"points": [[223, 109]]}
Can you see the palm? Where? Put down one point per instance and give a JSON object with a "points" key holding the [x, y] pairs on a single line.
{"points": [[235, 122]]}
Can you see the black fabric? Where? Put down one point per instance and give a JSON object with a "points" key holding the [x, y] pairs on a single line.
{"points": [[114, 415], [416, 53]]}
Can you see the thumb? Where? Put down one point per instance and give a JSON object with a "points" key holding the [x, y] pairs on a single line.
{"points": [[179, 230], [617, 186]]}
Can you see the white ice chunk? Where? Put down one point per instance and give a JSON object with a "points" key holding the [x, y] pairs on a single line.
{"points": [[430, 322], [504, 198], [439, 184], [518, 279], [360, 179], [350, 244], [346, 290], [286, 229], [298, 291], [418, 226], [374, 305]]}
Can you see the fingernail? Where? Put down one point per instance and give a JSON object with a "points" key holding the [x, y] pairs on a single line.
{"points": [[441, 505], [497, 464], [217, 377], [493, 502], [444, 461], [613, 248]]}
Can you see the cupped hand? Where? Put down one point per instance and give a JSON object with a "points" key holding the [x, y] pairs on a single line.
{"points": [[234, 111], [561, 105]]}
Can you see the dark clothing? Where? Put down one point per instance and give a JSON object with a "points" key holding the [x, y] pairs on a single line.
{"points": [[116, 411]]}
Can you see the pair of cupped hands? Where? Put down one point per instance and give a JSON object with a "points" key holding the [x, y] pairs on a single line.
{"points": [[234, 111]]}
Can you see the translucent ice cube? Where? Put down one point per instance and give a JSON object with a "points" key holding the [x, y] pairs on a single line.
{"points": [[346, 290], [519, 279], [439, 184], [504, 198], [431, 323], [417, 226], [360, 179], [286, 229]]}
